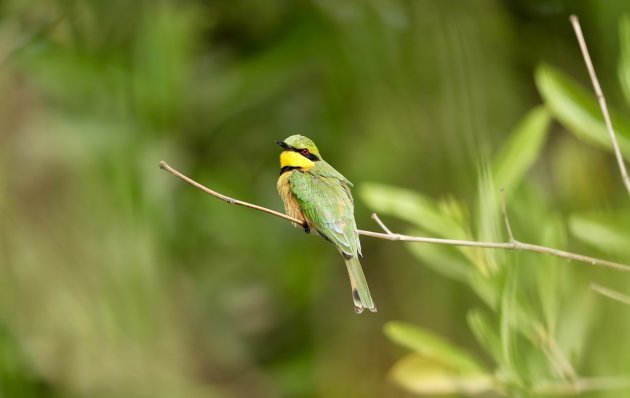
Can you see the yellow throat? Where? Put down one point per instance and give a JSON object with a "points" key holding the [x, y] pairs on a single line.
{"points": [[294, 159]]}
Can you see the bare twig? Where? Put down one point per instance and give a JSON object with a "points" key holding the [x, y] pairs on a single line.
{"points": [[165, 166], [388, 235], [381, 224], [612, 294], [513, 245], [602, 101]]}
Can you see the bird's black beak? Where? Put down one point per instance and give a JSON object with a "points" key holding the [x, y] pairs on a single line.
{"points": [[284, 145]]}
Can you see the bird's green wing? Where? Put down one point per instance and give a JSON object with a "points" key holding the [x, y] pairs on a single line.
{"points": [[326, 202]]}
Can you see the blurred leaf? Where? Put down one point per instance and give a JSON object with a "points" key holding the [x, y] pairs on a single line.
{"points": [[239, 90], [424, 375], [548, 290], [485, 288], [508, 311], [489, 223], [484, 330], [578, 111], [162, 54], [624, 56], [606, 232], [444, 260], [17, 378], [431, 345], [410, 206], [522, 149], [583, 385], [611, 294], [578, 322]]}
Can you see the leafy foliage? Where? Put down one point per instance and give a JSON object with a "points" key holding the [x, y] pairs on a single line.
{"points": [[520, 333], [577, 109], [116, 280]]}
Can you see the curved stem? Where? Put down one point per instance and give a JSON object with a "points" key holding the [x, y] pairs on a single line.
{"points": [[388, 235]]}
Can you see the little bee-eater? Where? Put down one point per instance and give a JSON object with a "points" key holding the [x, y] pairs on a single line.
{"points": [[318, 195]]}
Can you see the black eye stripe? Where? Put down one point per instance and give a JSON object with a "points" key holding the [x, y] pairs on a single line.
{"points": [[310, 156]]}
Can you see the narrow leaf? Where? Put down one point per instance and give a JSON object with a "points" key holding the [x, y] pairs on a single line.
{"points": [[423, 375], [577, 109], [606, 232], [431, 345], [409, 206], [624, 56], [485, 332], [521, 149], [442, 259], [489, 224]]}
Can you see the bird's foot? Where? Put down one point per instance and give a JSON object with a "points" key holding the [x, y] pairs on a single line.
{"points": [[307, 229]]}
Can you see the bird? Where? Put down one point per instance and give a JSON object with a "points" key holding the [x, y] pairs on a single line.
{"points": [[319, 196]]}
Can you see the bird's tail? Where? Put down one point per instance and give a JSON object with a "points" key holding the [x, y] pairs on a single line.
{"points": [[360, 290]]}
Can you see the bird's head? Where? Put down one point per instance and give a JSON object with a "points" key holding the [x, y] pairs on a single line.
{"points": [[298, 152]]}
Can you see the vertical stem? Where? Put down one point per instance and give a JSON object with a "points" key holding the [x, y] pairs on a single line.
{"points": [[602, 101]]}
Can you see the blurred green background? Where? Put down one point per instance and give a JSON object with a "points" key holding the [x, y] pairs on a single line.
{"points": [[118, 280]]}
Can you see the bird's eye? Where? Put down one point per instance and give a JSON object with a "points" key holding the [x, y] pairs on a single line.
{"points": [[304, 152]]}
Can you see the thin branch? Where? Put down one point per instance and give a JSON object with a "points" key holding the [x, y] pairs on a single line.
{"points": [[388, 235], [602, 101], [514, 245], [381, 224], [165, 166], [612, 294]]}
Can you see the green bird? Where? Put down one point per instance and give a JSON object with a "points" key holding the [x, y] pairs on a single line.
{"points": [[319, 196]]}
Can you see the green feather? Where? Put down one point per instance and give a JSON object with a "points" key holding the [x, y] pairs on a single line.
{"points": [[325, 199], [360, 291]]}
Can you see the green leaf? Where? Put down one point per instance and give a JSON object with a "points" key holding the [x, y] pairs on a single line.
{"points": [[445, 219], [606, 232], [505, 324], [410, 206], [485, 332], [423, 375], [431, 346], [624, 56], [489, 224], [552, 273], [486, 289], [444, 260], [577, 109], [521, 149], [579, 321], [508, 312]]}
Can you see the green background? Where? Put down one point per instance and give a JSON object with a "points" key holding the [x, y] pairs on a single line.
{"points": [[119, 280]]}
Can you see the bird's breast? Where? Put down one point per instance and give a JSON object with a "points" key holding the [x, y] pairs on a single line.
{"points": [[291, 205]]}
